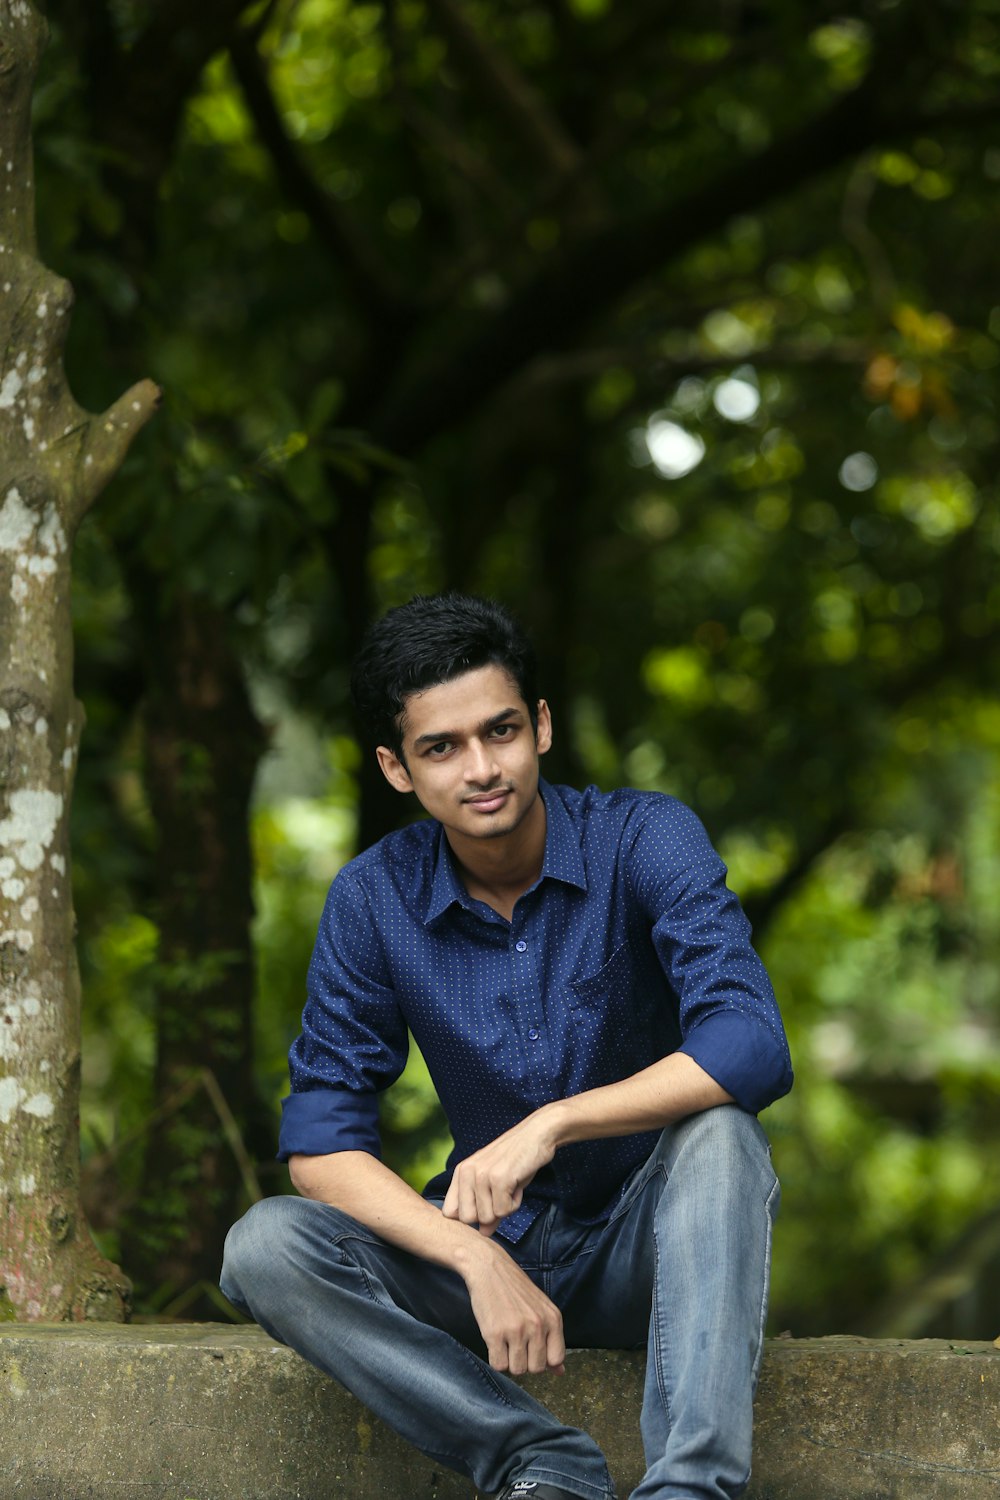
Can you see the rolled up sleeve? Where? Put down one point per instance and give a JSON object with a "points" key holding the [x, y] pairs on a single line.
{"points": [[354, 1039], [729, 1019], [326, 1120]]}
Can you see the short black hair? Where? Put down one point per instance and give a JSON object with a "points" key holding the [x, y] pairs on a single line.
{"points": [[435, 638]]}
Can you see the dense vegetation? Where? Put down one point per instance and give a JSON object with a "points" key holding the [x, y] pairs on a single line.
{"points": [[675, 326]]}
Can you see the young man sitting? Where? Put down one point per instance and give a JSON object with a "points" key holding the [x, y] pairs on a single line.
{"points": [[601, 1034]]}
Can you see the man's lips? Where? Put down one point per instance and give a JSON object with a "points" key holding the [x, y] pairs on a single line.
{"points": [[489, 801]]}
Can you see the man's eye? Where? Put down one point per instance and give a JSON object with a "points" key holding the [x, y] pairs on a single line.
{"points": [[503, 731], [441, 748]]}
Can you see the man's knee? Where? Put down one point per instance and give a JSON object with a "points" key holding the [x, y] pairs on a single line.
{"points": [[260, 1242], [725, 1137], [248, 1245]]}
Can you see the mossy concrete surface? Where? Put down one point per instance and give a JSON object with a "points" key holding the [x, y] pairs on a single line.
{"points": [[207, 1412]]}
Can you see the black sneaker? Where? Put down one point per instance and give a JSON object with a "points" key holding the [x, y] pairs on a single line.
{"points": [[528, 1489]]}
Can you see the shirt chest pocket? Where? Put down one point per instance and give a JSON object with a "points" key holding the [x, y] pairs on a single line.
{"points": [[610, 983], [603, 1019], [627, 998]]}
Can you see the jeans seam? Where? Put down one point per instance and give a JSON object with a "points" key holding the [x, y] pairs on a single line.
{"points": [[341, 1235], [762, 1312], [534, 1268], [369, 1286], [640, 1180], [658, 1348], [762, 1316], [485, 1375]]}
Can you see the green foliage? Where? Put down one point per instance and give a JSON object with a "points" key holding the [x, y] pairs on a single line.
{"points": [[695, 370], [886, 962]]}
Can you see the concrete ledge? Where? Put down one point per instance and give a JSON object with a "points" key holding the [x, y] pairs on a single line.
{"points": [[210, 1412]]}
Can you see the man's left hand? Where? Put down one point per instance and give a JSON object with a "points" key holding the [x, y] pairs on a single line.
{"points": [[489, 1185]]}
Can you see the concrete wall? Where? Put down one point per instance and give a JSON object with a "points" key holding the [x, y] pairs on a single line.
{"points": [[207, 1412]]}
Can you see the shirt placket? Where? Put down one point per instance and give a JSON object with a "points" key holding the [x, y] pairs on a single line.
{"points": [[526, 952]]}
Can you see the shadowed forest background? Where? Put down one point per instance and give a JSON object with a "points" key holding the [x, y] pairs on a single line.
{"points": [[677, 327]]}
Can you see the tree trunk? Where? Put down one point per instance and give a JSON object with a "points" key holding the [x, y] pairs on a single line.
{"points": [[54, 460], [202, 745]]}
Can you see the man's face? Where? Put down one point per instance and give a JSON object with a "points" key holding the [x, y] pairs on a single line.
{"points": [[471, 756]]}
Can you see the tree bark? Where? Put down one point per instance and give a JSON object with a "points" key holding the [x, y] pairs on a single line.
{"points": [[54, 460]]}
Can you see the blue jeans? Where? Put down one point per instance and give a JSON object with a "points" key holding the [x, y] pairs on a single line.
{"points": [[681, 1266]]}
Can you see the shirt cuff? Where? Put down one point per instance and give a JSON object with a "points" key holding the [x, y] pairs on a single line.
{"points": [[322, 1121], [743, 1057]]}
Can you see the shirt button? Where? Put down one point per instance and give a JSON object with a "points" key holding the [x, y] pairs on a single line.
{"points": [[521, 946], [533, 1035]]}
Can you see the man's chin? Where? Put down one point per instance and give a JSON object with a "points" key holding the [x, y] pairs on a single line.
{"points": [[491, 827], [495, 833], [494, 825]]}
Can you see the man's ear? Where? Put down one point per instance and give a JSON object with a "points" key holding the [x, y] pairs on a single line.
{"points": [[393, 769], [543, 731]]}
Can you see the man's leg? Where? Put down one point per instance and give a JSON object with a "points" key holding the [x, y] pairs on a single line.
{"points": [[688, 1257], [399, 1333]]}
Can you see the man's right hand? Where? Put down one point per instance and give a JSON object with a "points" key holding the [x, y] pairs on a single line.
{"points": [[521, 1327]]}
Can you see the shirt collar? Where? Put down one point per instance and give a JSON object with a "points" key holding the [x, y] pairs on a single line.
{"points": [[563, 858], [446, 888], [563, 855]]}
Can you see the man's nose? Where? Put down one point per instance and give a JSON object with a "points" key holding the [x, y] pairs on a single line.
{"points": [[480, 763]]}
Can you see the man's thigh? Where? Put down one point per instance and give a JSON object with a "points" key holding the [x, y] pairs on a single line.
{"points": [[287, 1242], [428, 1292]]}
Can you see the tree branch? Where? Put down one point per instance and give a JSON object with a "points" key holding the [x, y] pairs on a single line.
{"points": [[107, 439], [591, 275], [588, 364], [599, 269], [540, 130], [340, 237], [475, 169]]}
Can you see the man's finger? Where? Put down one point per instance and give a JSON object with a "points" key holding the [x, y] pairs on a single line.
{"points": [[498, 1355], [465, 1198], [555, 1351], [486, 1214], [537, 1357]]}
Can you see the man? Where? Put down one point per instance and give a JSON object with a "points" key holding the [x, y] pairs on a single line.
{"points": [[601, 1034]]}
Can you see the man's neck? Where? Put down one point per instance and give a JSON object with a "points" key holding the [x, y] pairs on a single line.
{"points": [[499, 871]]}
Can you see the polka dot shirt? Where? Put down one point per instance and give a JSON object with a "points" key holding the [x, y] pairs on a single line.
{"points": [[629, 946]]}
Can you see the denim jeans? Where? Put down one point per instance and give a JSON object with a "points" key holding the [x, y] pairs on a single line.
{"points": [[681, 1266]]}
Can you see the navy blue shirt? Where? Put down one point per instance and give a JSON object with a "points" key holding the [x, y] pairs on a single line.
{"points": [[629, 946]]}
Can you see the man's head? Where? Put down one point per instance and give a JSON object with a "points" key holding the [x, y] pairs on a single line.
{"points": [[434, 639]]}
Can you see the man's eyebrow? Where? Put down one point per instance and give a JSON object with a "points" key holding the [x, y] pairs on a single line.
{"points": [[487, 724]]}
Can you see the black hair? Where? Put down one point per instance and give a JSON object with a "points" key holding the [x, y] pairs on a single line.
{"points": [[432, 639]]}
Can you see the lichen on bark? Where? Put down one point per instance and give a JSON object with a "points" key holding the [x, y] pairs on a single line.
{"points": [[55, 458]]}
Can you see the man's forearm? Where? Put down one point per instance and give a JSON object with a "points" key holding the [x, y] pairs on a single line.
{"points": [[668, 1090], [489, 1185], [362, 1186]]}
